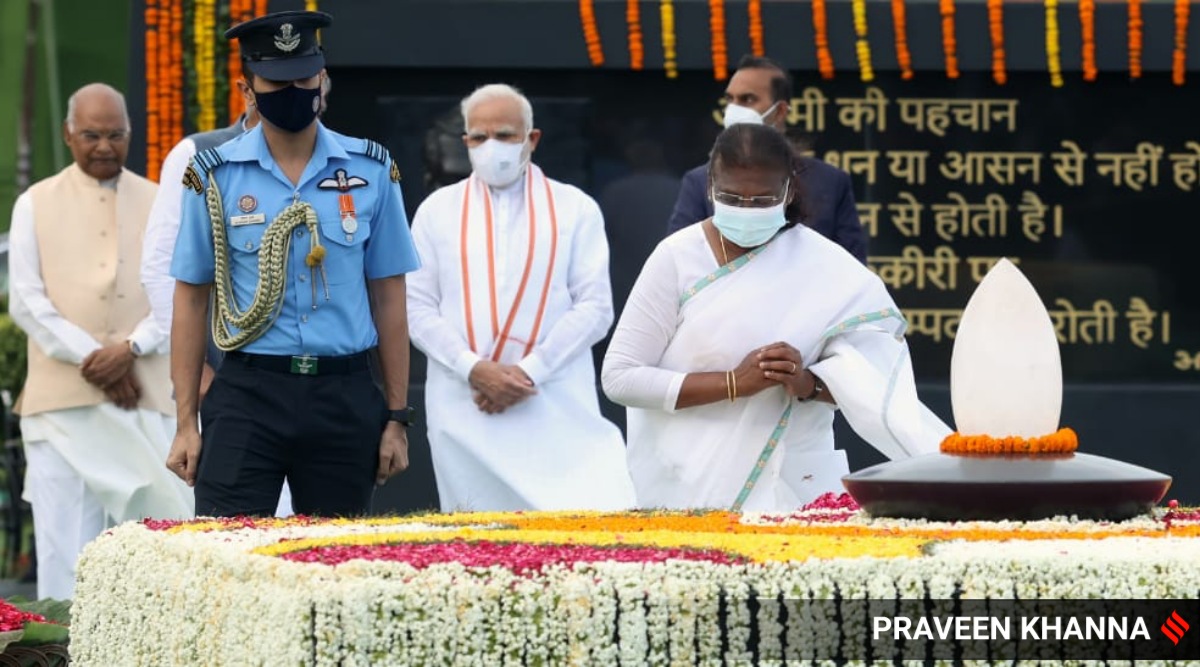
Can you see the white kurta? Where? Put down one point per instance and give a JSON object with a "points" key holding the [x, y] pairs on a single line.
{"points": [[162, 229], [86, 466], [553, 450], [801, 288]]}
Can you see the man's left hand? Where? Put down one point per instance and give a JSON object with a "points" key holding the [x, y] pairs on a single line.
{"points": [[107, 365], [393, 452]]}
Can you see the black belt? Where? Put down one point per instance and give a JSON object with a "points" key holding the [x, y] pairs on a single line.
{"points": [[304, 364]]}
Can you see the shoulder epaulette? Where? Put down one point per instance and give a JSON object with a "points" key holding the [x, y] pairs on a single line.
{"points": [[199, 168], [375, 151], [210, 159]]}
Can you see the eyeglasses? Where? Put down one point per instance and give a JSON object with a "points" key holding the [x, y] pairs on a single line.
{"points": [[507, 136], [91, 137], [760, 201]]}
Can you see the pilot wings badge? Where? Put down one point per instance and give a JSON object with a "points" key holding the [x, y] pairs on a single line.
{"points": [[286, 40]]}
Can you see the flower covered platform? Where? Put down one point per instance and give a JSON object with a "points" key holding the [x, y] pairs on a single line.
{"points": [[578, 588]]}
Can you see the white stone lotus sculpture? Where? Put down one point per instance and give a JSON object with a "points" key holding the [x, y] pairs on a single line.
{"points": [[1005, 370]]}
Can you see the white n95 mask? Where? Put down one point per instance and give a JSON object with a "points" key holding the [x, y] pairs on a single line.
{"points": [[736, 113], [498, 163]]}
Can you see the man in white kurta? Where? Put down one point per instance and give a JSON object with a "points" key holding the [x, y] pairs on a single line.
{"points": [[96, 407], [513, 293]]}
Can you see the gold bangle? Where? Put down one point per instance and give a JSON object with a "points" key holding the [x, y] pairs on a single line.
{"points": [[733, 375], [728, 387]]}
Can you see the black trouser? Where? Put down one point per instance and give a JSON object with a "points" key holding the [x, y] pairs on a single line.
{"points": [[261, 423]]}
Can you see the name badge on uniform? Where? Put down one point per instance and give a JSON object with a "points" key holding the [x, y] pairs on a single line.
{"points": [[253, 219]]}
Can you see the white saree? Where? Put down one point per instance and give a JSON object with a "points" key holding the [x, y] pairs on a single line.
{"points": [[766, 452], [517, 276]]}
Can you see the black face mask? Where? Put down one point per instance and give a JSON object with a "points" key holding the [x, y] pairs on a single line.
{"points": [[290, 109]]}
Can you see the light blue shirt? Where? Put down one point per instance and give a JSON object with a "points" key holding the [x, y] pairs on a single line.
{"points": [[253, 187]]}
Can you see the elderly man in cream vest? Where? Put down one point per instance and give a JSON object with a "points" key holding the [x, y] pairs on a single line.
{"points": [[97, 401]]}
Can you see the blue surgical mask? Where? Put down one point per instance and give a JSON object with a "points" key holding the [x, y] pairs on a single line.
{"points": [[746, 226]]}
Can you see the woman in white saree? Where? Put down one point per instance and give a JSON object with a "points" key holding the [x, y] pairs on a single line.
{"points": [[741, 338]]}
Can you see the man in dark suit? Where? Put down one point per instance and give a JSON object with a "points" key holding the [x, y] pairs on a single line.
{"points": [[760, 91]]}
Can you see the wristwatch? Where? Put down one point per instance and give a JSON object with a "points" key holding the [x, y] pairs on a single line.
{"points": [[818, 389], [404, 416], [134, 348]]}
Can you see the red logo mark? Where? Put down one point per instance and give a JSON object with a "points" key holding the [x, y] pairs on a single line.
{"points": [[1175, 627]]}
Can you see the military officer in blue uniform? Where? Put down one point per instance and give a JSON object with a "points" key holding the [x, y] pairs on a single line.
{"points": [[299, 233]]}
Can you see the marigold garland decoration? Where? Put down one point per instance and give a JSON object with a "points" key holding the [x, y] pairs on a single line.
{"points": [[821, 31], [1053, 57], [204, 60], [861, 46], [637, 50], [900, 24], [587, 16], [1179, 57], [949, 45], [996, 28], [1135, 39], [1063, 441], [754, 11], [1087, 32], [666, 12], [716, 27], [240, 11]]}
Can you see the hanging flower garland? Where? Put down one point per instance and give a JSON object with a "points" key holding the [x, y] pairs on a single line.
{"points": [[633, 18], [204, 37], [1179, 58], [861, 46], [949, 46], [1135, 39], [666, 12], [191, 98], [1053, 57], [821, 30], [900, 23], [996, 28], [587, 15], [239, 12], [1087, 32], [154, 153], [716, 28], [219, 60], [754, 12], [164, 80]]}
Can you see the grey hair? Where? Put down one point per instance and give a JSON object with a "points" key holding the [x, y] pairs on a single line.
{"points": [[73, 100], [497, 91]]}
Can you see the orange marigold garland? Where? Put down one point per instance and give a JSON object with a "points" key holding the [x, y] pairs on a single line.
{"points": [[996, 28], [666, 12], [900, 24], [1179, 57], [1053, 56], [637, 50], [1135, 39], [587, 16], [1087, 32], [861, 46], [754, 11], [1063, 441], [821, 31], [949, 45], [716, 27], [239, 11], [154, 152]]}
